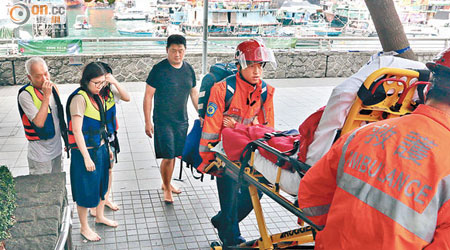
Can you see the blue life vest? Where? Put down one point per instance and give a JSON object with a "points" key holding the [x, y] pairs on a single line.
{"points": [[95, 127]]}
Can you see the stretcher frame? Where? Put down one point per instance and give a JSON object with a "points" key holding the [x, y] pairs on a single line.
{"points": [[290, 239], [399, 103]]}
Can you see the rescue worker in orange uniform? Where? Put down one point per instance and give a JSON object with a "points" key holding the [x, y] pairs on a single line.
{"points": [[252, 103], [387, 185]]}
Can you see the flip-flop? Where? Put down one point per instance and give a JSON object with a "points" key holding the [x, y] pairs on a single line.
{"points": [[168, 202]]}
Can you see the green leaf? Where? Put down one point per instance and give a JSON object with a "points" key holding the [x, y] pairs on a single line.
{"points": [[7, 201]]}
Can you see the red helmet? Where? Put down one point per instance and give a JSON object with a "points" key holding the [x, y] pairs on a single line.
{"points": [[254, 51], [440, 62]]}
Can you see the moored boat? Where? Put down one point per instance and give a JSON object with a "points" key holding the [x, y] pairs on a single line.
{"points": [[81, 23], [73, 3]]}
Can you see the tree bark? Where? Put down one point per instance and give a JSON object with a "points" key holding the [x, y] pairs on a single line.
{"points": [[389, 28]]}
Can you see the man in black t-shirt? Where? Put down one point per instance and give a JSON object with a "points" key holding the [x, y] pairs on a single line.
{"points": [[171, 82]]}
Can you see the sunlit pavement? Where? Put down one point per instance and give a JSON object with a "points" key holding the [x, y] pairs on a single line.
{"points": [[145, 221]]}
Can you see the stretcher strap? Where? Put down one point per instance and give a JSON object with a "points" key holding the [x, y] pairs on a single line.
{"points": [[283, 157], [193, 175]]}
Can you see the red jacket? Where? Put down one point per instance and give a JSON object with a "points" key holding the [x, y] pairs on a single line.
{"points": [[384, 186], [240, 109], [235, 140]]}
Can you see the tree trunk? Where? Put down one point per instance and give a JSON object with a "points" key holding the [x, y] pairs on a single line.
{"points": [[389, 28]]}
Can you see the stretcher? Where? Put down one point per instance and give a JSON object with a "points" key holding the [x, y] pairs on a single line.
{"points": [[288, 179], [386, 93]]}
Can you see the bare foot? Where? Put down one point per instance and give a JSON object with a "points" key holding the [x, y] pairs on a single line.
{"points": [[174, 189], [111, 205], [90, 235], [168, 197], [93, 211], [107, 222]]}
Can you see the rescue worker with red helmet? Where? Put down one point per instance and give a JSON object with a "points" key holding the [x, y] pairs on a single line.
{"points": [[387, 185], [247, 108]]}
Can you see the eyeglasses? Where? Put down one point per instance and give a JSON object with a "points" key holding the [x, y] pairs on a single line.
{"points": [[99, 83]]}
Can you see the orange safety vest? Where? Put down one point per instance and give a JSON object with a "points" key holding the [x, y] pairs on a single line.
{"points": [[244, 108], [384, 186], [32, 132]]}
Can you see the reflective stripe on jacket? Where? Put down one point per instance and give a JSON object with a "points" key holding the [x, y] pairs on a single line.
{"points": [[384, 186], [32, 132], [92, 129], [244, 108]]}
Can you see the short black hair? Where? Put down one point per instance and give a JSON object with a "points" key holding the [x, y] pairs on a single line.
{"points": [[176, 39], [440, 87]]}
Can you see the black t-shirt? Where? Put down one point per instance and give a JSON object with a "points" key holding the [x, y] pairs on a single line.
{"points": [[173, 87]]}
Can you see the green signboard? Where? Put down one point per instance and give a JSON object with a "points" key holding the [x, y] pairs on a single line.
{"points": [[280, 42], [50, 47]]}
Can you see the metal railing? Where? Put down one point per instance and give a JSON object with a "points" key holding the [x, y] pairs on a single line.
{"points": [[136, 45], [65, 237]]}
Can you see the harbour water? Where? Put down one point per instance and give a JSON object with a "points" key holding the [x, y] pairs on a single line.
{"points": [[100, 19], [103, 25]]}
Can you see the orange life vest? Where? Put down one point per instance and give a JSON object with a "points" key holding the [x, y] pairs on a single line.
{"points": [[32, 132], [245, 107]]}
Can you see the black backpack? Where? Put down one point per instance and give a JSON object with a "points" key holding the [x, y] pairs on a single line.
{"points": [[217, 73]]}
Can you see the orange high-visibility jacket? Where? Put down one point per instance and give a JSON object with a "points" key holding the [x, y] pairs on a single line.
{"points": [[244, 108], [384, 186]]}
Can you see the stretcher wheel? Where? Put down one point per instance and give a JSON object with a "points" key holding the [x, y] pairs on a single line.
{"points": [[215, 246]]}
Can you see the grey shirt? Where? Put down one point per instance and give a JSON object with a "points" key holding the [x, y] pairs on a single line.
{"points": [[42, 150]]}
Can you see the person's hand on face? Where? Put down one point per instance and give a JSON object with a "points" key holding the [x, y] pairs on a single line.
{"points": [[47, 87], [96, 84], [111, 79]]}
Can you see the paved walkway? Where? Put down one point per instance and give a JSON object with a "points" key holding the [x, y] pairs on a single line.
{"points": [[145, 221]]}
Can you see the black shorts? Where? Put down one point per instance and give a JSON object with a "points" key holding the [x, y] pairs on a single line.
{"points": [[169, 139]]}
